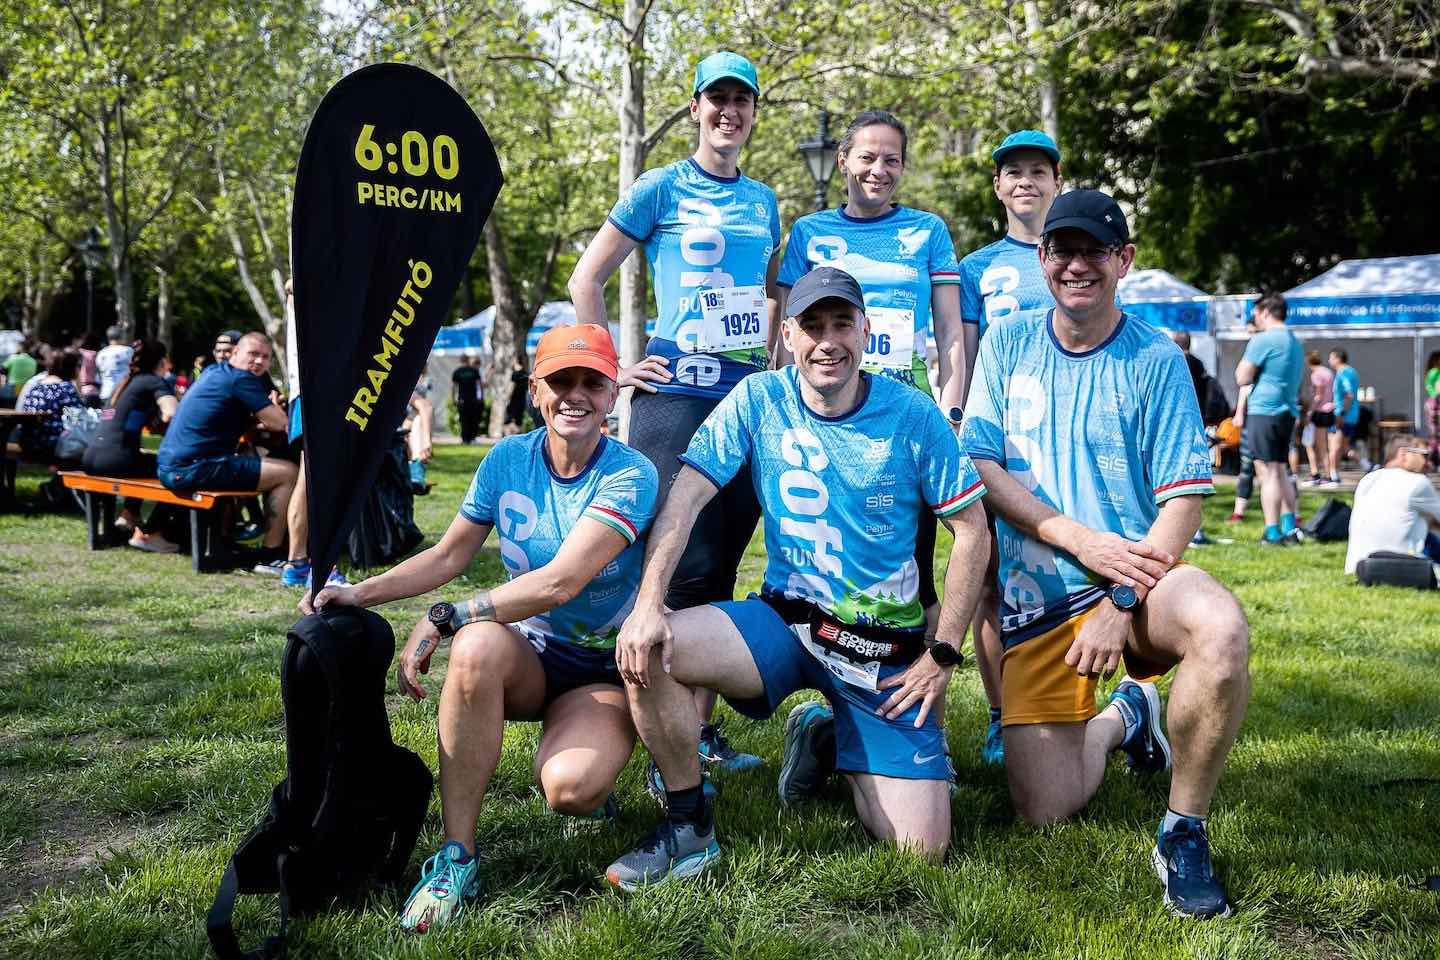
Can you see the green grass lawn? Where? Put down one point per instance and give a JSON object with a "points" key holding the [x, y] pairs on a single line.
{"points": [[141, 732]]}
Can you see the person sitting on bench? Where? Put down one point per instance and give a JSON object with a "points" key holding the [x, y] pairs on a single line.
{"points": [[143, 398], [198, 452], [1396, 508]]}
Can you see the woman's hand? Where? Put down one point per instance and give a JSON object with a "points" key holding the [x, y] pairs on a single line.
{"points": [[650, 370], [415, 658]]}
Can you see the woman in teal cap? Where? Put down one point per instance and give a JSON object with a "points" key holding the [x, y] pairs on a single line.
{"points": [[712, 238]]}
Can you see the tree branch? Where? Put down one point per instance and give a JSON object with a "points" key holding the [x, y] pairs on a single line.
{"points": [[657, 133]]}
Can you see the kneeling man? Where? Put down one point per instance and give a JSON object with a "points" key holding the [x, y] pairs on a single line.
{"points": [[1084, 425], [842, 464]]}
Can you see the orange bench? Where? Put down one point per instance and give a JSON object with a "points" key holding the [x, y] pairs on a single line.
{"points": [[100, 493]]}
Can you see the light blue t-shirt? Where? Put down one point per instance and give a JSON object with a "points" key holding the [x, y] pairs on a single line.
{"points": [[703, 232], [896, 258], [1277, 354], [1347, 380], [1103, 437], [533, 510], [840, 495], [1000, 280]]}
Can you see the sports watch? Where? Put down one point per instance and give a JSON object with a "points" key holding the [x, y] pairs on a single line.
{"points": [[955, 415], [1125, 598], [946, 655], [445, 618]]}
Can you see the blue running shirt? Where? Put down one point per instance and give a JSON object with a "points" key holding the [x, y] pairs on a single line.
{"points": [[897, 258], [1000, 280], [1347, 380], [840, 495], [1277, 354], [533, 510], [1103, 437], [703, 234]]}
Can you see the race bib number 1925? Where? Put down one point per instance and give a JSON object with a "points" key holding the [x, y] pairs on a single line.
{"points": [[732, 318]]}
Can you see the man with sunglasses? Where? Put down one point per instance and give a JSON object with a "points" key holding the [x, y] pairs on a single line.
{"points": [[1083, 423]]}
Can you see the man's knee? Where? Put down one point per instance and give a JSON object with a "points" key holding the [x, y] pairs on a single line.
{"points": [[277, 474], [1219, 634]]}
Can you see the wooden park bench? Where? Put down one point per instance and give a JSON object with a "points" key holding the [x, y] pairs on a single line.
{"points": [[100, 493]]}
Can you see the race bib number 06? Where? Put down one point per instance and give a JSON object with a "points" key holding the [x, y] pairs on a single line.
{"points": [[732, 318], [892, 338]]}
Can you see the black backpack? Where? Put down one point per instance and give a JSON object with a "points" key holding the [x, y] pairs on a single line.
{"points": [[1396, 570], [1331, 522], [348, 813]]}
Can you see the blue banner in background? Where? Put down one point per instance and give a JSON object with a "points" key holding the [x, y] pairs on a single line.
{"points": [[1406, 309], [1177, 315]]}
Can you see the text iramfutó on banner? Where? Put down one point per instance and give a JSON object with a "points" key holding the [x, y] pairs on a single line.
{"points": [[392, 338]]}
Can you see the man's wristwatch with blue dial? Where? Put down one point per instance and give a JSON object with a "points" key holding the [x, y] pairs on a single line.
{"points": [[1125, 598]]}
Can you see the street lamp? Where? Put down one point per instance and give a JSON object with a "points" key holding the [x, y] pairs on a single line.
{"points": [[819, 157], [89, 249]]}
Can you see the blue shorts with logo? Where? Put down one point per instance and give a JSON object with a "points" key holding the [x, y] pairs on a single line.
{"points": [[865, 742], [228, 472], [568, 667]]}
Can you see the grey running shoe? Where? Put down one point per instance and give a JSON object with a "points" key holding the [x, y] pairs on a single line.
{"points": [[669, 852], [809, 751]]}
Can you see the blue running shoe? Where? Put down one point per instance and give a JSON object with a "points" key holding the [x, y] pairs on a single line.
{"points": [[295, 574], [1145, 744], [716, 752], [336, 578], [445, 884], [655, 784], [809, 751], [671, 851], [992, 754], [1182, 861]]}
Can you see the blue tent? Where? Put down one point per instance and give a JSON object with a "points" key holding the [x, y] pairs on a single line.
{"points": [[473, 334], [1163, 300], [1393, 290]]}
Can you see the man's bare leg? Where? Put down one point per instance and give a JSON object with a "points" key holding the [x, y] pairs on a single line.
{"points": [[297, 517], [911, 814], [588, 737], [277, 480]]}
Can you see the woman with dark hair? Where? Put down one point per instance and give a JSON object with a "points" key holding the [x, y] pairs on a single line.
{"points": [[50, 395], [1432, 405], [144, 397]]}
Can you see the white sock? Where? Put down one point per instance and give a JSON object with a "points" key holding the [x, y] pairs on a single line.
{"points": [[1128, 718], [1172, 818]]}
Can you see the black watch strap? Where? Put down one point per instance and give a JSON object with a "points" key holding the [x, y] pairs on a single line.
{"points": [[946, 655]]}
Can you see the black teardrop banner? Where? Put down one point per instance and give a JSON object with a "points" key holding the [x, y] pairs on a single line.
{"points": [[394, 184]]}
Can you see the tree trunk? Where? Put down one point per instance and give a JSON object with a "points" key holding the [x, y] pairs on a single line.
{"points": [[163, 320], [507, 335], [632, 163], [1049, 113]]}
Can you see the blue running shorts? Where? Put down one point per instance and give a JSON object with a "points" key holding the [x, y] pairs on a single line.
{"points": [[865, 742]]}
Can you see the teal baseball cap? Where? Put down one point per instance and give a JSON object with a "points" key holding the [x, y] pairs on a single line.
{"points": [[1028, 140], [725, 66]]}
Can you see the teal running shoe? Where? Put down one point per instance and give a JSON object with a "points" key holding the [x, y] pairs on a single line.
{"points": [[992, 754], [445, 885], [672, 851], [809, 757], [716, 752], [607, 816], [1145, 744], [1182, 862]]}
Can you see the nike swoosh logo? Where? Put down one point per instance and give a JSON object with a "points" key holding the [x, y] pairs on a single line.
{"points": [[919, 759]]}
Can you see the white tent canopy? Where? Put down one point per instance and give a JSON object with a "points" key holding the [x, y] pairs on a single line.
{"points": [[1165, 301]]}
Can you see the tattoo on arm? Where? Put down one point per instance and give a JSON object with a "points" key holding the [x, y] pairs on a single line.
{"points": [[479, 608], [422, 649]]}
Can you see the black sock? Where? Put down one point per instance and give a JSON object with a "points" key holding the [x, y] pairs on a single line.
{"points": [[689, 806]]}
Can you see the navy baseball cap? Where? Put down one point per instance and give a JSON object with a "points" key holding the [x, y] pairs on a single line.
{"points": [[1027, 140], [725, 66], [1092, 211], [823, 283]]}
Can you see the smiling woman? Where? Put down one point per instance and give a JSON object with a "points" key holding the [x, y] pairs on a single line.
{"points": [[569, 507]]}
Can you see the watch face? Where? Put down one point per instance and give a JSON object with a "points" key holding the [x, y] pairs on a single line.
{"points": [[1124, 597], [954, 415], [944, 654], [441, 612]]}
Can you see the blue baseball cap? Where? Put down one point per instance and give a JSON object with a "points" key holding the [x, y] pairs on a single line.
{"points": [[1028, 140], [725, 66]]}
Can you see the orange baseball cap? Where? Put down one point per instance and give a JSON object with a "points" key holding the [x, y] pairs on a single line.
{"points": [[581, 345]]}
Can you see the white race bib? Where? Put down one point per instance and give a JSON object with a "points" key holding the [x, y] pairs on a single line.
{"points": [[892, 338], [866, 676], [732, 318]]}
